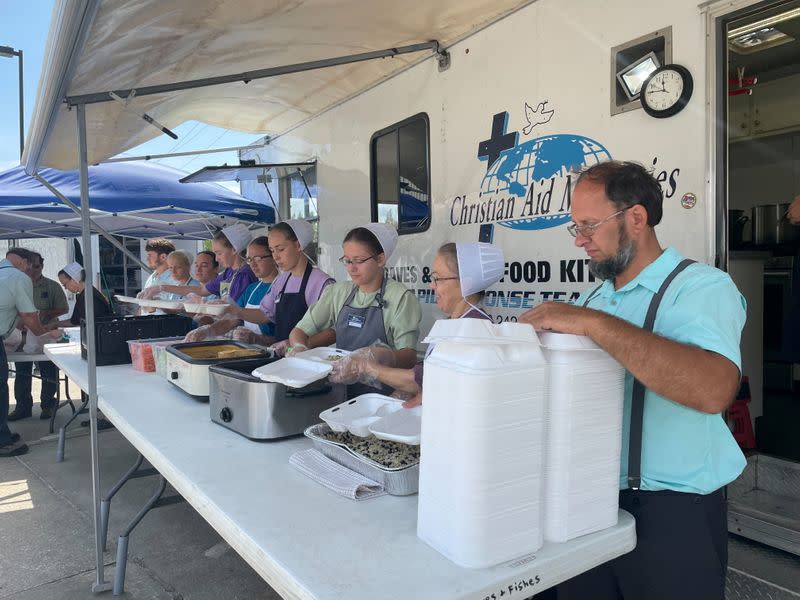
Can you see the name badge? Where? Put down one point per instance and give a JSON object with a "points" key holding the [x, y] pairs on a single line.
{"points": [[355, 321]]}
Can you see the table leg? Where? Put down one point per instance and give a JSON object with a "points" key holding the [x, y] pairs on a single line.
{"points": [[155, 501], [62, 433], [105, 504]]}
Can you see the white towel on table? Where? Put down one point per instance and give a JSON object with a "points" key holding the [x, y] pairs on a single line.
{"points": [[312, 463]]}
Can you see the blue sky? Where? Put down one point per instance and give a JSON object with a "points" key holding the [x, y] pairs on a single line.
{"points": [[24, 26]]}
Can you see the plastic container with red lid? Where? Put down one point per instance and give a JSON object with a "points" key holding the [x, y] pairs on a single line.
{"points": [[142, 352]]}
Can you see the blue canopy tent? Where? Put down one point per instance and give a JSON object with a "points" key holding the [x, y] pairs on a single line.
{"points": [[136, 200]]}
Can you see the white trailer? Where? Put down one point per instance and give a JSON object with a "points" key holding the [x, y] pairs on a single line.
{"points": [[524, 103]]}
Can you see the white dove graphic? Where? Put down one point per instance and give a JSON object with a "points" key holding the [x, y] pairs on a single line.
{"points": [[536, 117]]}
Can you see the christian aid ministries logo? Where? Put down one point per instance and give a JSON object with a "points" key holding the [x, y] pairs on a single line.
{"points": [[527, 185]]}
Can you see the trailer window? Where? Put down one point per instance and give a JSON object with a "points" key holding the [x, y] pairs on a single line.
{"points": [[299, 200], [400, 175]]}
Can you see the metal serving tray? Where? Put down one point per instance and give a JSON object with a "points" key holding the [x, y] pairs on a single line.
{"points": [[402, 481]]}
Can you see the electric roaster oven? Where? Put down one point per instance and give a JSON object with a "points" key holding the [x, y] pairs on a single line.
{"points": [[188, 364], [264, 410]]}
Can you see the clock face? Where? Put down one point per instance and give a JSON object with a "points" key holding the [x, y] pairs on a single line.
{"points": [[667, 91], [664, 90]]}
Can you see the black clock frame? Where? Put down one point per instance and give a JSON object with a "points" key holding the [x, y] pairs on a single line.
{"points": [[683, 100]]}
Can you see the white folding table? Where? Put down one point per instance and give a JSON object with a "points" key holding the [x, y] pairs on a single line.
{"points": [[303, 539]]}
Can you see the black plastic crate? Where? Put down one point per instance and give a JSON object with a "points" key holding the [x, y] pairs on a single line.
{"points": [[112, 334]]}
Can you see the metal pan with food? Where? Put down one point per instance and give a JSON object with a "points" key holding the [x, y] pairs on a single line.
{"points": [[187, 364], [394, 465]]}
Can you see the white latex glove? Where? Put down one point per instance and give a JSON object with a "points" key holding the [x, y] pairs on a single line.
{"points": [[198, 335], [285, 349], [361, 366], [296, 349], [353, 367], [151, 292], [245, 335], [279, 348]]}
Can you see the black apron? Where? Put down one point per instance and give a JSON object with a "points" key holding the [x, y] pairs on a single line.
{"points": [[361, 327], [290, 306]]}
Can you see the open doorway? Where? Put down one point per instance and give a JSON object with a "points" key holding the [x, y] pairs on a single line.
{"points": [[763, 176], [760, 63]]}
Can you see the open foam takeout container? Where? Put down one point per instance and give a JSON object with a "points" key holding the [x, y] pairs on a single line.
{"points": [[156, 303], [378, 415], [293, 372], [303, 368], [205, 308], [325, 354], [151, 303]]}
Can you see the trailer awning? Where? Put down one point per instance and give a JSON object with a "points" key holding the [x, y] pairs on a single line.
{"points": [[136, 200], [247, 173], [97, 46]]}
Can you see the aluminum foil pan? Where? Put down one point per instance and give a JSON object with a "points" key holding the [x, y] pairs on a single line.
{"points": [[398, 482]]}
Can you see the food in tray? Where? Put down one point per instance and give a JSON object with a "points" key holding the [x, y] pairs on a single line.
{"points": [[221, 351], [333, 357], [392, 455]]}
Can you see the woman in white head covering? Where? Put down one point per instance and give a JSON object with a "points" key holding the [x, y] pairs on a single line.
{"points": [[370, 314], [460, 273], [73, 277], [298, 286], [228, 246]]}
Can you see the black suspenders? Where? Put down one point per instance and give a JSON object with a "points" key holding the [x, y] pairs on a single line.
{"points": [[637, 400]]}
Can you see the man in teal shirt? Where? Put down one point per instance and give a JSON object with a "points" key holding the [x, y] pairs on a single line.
{"points": [[689, 366]]}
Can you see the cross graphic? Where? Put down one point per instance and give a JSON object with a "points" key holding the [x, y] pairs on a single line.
{"points": [[489, 150]]}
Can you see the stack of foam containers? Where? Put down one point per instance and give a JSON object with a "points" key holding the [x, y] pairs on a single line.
{"points": [[482, 442], [583, 422]]}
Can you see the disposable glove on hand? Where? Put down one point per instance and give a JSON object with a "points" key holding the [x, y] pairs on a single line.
{"points": [[150, 293], [279, 348], [200, 334], [361, 366], [245, 335]]}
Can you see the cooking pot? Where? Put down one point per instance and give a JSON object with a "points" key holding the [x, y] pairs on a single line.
{"points": [[736, 222], [772, 226]]}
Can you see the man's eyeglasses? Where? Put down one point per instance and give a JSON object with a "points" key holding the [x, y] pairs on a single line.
{"points": [[355, 261], [588, 230], [257, 259], [437, 280]]}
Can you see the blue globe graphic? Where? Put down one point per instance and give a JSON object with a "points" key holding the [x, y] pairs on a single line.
{"points": [[540, 159]]}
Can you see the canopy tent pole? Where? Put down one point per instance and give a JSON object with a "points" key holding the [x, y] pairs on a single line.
{"points": [[93, 224], [187, 153], [100, 584], [249, 76]]}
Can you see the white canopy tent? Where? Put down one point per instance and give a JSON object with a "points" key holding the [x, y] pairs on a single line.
{"points": [[247, 65], [97, 46]]}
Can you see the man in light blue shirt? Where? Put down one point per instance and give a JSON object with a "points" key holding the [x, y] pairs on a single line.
{"points": [[157, 250], [16, 301], [689, 367]]}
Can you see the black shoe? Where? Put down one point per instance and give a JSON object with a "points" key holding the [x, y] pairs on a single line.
{"points": [[15, 437], [16, 415], [101, 424], [46, 413], [13, 450]]}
